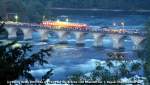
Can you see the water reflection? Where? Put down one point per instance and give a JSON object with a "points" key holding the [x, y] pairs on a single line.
{"points": [[67, 59]]}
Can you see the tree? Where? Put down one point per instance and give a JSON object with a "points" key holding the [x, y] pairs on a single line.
{"points": [[100, 73], [14, 61], [146, 52], [135, 66]]}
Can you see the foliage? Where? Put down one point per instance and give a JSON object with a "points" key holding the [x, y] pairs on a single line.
{"points": [[14, 61], [78, 76], [123, 70], [27, 10], [111, 72], [136, 66], [47, 75], [100, 73], [146, 52], [115, 55]]}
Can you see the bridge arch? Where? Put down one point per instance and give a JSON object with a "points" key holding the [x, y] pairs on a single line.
{"points": [[43, 34], [62, 36], [71, 37], [132, 42], [97, 37], [126, 42], [11, 32], [79, 37], [137, 40], [53, 36], [36, 35], [27, 32], [142, 44], [107, 41], [88, 39], [4, 33], [19, 34]]}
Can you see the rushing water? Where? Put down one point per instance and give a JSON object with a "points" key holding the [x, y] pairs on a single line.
{"points": [[67, 59]]}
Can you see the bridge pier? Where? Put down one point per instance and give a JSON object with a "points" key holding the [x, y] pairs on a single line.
{"points": [[43, 34], [79, 38], [137, 41], [12, 32], [97, 39], [62, 36], [27, 33], [116, 40]]}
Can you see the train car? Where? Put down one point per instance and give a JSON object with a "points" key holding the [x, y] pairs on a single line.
{"points": [[61, 24]]}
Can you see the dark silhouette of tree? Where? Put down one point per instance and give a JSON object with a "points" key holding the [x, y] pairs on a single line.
{"points": [[102, 73], [135, 67], [47, 75], [98, 74], [15, 62], [146, 52]]}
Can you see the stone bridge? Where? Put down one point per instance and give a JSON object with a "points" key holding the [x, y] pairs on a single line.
{"points": [[98, 33]]}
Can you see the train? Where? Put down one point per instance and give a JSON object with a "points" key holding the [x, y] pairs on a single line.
{"points": [[62, 24]]}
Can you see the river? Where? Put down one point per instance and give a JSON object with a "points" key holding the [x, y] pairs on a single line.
{"points": [[68, 59]]}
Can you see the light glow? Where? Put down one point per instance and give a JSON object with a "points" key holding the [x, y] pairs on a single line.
{"points": [[63, 24]]}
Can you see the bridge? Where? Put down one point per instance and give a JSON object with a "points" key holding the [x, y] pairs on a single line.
{"points": [[98, 33]]}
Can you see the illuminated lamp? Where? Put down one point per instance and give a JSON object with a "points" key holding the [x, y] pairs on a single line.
{"points": [[67, 20]]}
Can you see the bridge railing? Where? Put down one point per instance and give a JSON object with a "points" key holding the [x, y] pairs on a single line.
{"points": [[97, 29], [128, 27]]}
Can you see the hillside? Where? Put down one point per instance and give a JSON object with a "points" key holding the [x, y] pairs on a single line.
{"points": [[34, 10]]}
